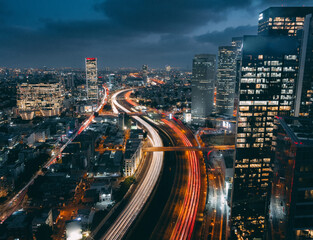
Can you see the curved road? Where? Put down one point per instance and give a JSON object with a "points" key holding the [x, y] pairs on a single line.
{"points": [[122, 224]]}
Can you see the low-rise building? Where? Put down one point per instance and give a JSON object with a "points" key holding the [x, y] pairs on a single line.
{"points": [[132, 157], [18, 226], [39, 99], [44, 217]]}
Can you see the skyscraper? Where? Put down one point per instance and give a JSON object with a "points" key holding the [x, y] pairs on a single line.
{"points": [[282, 20], [268, 74], [203, 78], [304, 91], [292, 188], [237, 42], [145, 73], [91, 78], [168, 72], [226, 80]]}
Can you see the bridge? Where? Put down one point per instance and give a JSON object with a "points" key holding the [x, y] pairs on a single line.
{"points": [[184, 148]]}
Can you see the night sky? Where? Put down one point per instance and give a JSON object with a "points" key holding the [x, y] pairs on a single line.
{"points": [[122, 33]]}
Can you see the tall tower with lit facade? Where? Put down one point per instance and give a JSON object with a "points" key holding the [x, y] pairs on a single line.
{"points": [[282, 20], [202, 86], [226, 80], [269, 72], [91, 78]]}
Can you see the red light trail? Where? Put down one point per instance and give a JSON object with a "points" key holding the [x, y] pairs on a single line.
{"points": [[127, 98], [187, 216]]}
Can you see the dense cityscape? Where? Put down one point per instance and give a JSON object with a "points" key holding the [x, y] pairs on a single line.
{"points": [[221, 149]]}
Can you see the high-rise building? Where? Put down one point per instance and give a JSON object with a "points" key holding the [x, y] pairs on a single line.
{"points": [[69, 80], [304, 91], [282, 20], [111, 81], [226, 80], [268, 74], [168, 72], [237, 42], [92, 78], [39, 99], [292, 189], [202, 91], [145, 73]]}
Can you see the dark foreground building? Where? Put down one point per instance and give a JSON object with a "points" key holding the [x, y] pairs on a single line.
{"points": [[304, 92], [268, 75], [292, 190]]}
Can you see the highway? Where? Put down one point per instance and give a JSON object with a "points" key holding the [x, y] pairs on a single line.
{"points": [[126, 218], [13, 205], [185, 222], [155, 222], [188, 148], [178, 218], [217, 204]]}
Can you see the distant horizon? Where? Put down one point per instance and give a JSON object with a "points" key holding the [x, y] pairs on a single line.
{"points": [[99, 69]]}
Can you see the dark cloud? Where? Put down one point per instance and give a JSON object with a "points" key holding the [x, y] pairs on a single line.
{"points": [[168, 16], [173, 16], [219, 38], [130, 33]]}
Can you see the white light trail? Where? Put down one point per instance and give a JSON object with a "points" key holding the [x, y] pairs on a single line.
{"points": [[140, 197]]}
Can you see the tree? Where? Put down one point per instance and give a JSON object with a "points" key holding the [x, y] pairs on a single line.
{"points": [[44, 232]]}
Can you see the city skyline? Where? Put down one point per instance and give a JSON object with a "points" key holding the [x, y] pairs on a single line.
{"points": [[219, 149]]}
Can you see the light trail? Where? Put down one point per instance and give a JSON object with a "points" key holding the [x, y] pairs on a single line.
{"points": [[128, 99], [218, 204], [119, 228], [187, 216], [17, 199]]}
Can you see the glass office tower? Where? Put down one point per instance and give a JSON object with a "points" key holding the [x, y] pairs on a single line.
{"points": [[91, 78], [202, 91], [226, 80], [268, 74]]}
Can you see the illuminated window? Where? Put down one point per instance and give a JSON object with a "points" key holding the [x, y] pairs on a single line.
{"points": [[243, 109], [308, 195]]}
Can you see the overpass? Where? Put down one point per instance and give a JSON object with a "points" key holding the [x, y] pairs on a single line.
{"points": [[184, 148]]}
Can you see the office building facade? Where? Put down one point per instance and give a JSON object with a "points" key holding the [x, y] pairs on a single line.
{"points": [[269, 71], [282, 20], [91, 78], [292, 189], [202, 86], [226, 80]]}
